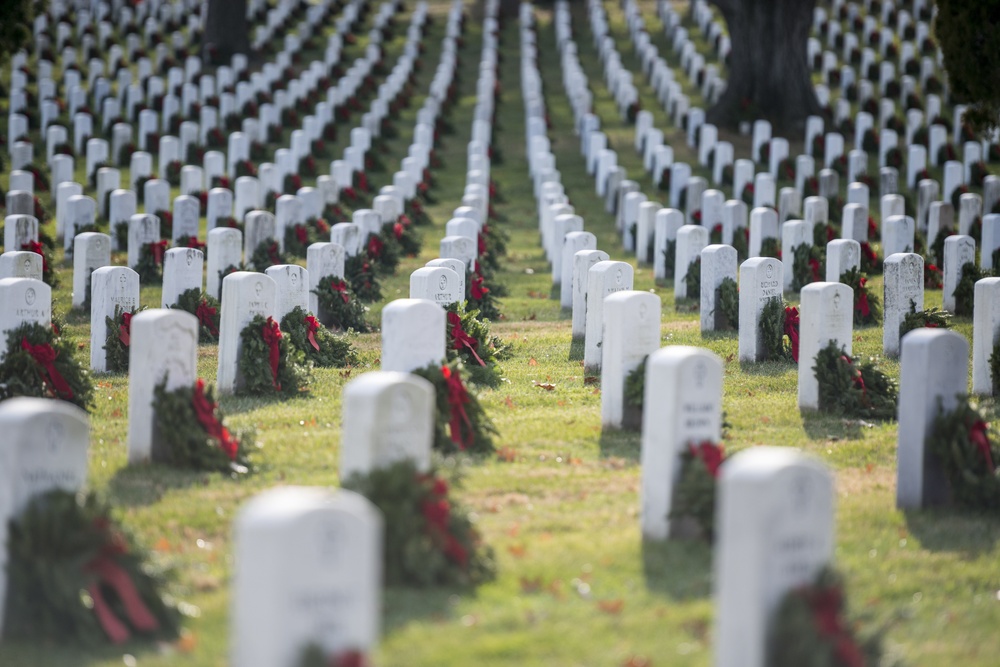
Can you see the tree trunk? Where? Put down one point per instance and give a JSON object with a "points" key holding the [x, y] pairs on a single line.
{"points": [[226, 30], [769, 72]]}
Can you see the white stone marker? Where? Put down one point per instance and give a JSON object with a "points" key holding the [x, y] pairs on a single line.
{"points": [[985, 333], [991, 241], [691, 240], [225, 249], [292, 284], [904, 294], [413, 335], [21, 264], [583, 260], [775, 531], [437, 284], [308, 570], [958, 251], [684, 391], [603, 279], [245, 294], [142, 229], [18, 231], [260, 227], [323, 259], [562, 226], [842, 255], [91, 250], [460, 247], [898, 234], [668, 221], [387, 417], [44, 448], [718, 262], [631, 331], [23, 300], [794, 233], [933, 370], [573, 243], [760, 281], [182, 270], [827, 314], [164, 346], [186, 217], [110, 287], [763, 225]]}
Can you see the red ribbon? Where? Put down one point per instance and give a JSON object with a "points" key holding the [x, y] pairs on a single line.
{"points": [[375, 246], [45, 356], [125, 329], [271, 334], [458, 397], [863, 305], [206, 317], [340, 286], [312, 325], [193, 242], [363, 181], [204, 411], [416, 207], [397, 231], [826, 605], [404, 220], [710, 454], [301, 234], [979, 437], [481, 243], [476, 287], [157, 248], [814, 269], [792, 329], [109, 573], [350, 658], [460, 338]]}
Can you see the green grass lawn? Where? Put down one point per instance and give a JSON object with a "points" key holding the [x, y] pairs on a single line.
{"points": [[577, 585]]}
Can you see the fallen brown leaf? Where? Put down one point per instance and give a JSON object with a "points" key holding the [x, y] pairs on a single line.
{"points": [[611, 606], [507, 454], [547, 386], [591, 379], [517, 550], [532, 362]]}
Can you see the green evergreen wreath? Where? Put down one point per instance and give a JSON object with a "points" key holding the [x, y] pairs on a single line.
{"points": [[965, 290], [493, 247], [461, 424], [267, 254], [41, 364], [66, 557], [770, 247], [635, 386], [470, 341], [481, 296], [807, 265], [298, 238], [319, 344], [315, 656], [189, 432], [995, 369], [339, 307], [965, 447], [853, 389], [867, 307], [403, 234], [771, 328], [809, 629], [692, 279], [383, 252], [265, 373], [118, 339], [206, 308], [741, 241], [695, 492], [365, 284], [429, 537], [727, 305], [669, 259], [150, 265], [931, 318]]}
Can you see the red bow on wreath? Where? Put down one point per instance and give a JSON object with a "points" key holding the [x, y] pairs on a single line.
{"points": [[312, 325], [458, 397], [204, 411], [108, 573], [341, 287], [792, 329], [125, 329], [826, 605], [482, 242], [397, 231], [375, 246], [863, 307], [460, 338], [710, 454], [193, 242], [157, 248], [301, 234], [477, 289], [979, 437], [271, 333], [45, 356], [206, 317]]}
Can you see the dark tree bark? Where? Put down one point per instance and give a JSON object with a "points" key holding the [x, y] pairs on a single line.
{"points": [[769, 72], [226, 30]]}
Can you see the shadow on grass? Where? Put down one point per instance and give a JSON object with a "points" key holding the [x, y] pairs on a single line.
{"points": [[622, 443], [236, 404], [576, 348], [406, 605], [680, 569], [141, 485], [724, 334], [771, 368], [956, 530], [820, 426]]}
